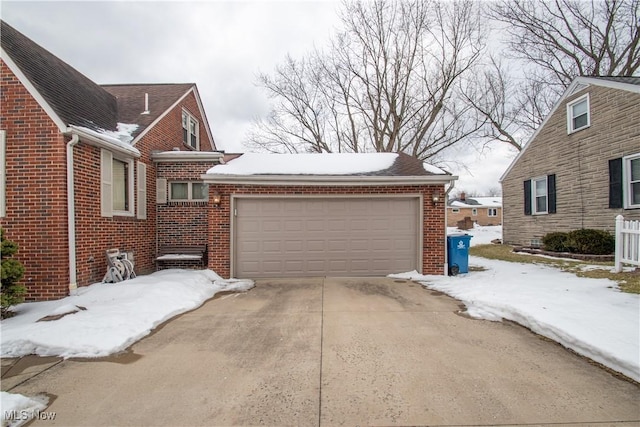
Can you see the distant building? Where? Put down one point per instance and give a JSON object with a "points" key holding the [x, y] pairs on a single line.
{"points": [[480, 210]]}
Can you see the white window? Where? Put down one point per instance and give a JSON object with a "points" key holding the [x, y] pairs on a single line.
{"points": [[474, 211], [631, 170], [492, 212], [116, 190], [3, 174], [578, 114], [188, 191], [539, 195], [455, 210], [190, 130]]}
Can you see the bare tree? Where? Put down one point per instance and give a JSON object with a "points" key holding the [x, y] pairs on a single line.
{"points": [[388, 82], [555, 41]]}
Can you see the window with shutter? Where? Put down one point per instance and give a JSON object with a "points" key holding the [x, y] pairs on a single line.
{"points": [[116, 185]]}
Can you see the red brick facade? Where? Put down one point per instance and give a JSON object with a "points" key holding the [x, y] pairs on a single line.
{"points": [[433, 256], [36, 194]]}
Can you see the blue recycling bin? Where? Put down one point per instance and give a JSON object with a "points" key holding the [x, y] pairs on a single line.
{"points": [[458, 253]]}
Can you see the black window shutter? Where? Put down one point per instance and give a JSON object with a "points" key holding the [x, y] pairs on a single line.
{"points": [[551, 193], [615, 183], [527, 197]]}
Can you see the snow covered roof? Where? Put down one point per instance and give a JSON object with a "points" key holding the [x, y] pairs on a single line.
{"points": [[326, 164], [477, 202]]}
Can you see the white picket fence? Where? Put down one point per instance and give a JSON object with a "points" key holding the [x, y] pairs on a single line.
{"points": [[627, 243]]}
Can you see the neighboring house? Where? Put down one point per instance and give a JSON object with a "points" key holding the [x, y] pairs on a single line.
{"points": [[79, 163], [298, 215], [581, 168], [481, 210]]}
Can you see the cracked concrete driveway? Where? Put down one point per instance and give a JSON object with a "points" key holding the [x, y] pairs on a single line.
{"points": [[327, 351]]}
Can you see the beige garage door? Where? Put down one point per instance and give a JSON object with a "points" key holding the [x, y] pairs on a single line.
{"points": [[308, 237]]}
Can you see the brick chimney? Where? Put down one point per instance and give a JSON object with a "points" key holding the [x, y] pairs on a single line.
{"points": [[463, 196]]}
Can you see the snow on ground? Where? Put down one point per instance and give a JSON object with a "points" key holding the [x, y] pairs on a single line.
{"points": [[590, 316], [106, 318], [481, 235], [17, 409]]}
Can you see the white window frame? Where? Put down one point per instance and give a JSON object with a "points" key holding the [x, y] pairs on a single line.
{"points": [[571, 117], [626, 174], [534, 196], [492, 212], [106, 188], [189, 191], [190, 120], [474, 211], [3, 174]]}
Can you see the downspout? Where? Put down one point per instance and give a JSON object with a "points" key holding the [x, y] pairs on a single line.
{"points": [[71, 215], [446, 246]]}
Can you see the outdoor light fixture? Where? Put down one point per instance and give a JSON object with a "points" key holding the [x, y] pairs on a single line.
{"points": [[436, 197], [216, 198]]}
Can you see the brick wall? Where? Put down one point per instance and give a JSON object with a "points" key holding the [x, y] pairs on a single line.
{"points": [[580, 162], [481, 218], [220, 216], [36, 194], [35, 190]]}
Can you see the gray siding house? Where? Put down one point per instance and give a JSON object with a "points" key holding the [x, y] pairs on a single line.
{"points": [[581, 168]]}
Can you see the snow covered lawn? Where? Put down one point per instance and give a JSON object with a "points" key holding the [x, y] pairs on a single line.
{"points": [[590, 316]]}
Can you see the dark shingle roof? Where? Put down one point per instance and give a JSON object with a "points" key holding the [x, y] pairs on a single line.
{"points": [[404, 165], [75, 99], [131, 101]]}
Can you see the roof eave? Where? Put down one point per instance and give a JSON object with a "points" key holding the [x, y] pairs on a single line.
{"points": [[187, 156], [96, 141], [331, 180]]}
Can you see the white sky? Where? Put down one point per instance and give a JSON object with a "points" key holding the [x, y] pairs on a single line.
{"points": [[219, 45]]}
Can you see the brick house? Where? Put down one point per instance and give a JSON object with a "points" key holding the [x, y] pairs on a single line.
{"points": [[485, 211], [79, 163], [581, 168], [293, 215]]}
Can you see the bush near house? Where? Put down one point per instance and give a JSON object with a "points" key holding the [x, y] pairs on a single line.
{"points": [[11, 292], [584, 241]]}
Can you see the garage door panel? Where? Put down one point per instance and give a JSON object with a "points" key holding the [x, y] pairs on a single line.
{"points": [[310, 237]]}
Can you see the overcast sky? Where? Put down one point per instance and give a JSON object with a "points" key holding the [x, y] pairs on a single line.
{"points": [[220, 46]]}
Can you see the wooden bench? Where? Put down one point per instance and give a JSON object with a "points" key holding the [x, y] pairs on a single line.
{"points": [[183, 253]]}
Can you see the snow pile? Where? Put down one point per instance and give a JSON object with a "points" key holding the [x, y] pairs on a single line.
{"points": [[18, 410], [589, 316], [433, 169], [305, 164], [482, 235], [121, 137], [106, 318]]}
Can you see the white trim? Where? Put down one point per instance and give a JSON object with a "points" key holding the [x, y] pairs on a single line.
{"points": [[191, 119], [95, 141], [417, 196], [570, 90], [3, 173], [187, 156], [626, 181], [329, 180], [571, 117], [130, 187], [15, 69]]}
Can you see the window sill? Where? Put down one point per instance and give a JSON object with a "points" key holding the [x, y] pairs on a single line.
{"points": [[189, 147]]}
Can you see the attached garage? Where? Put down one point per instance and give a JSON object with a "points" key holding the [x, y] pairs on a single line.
{"points": [[309, 215], [317, 236]]}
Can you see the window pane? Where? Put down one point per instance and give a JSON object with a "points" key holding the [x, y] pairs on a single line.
{"points": [[179, 190], [185, 120], [580, 121], [580, 108], [199, 191], [635, 193], [541, 187], [541, 204], [185, 136], [120, 187], [635, 169]]}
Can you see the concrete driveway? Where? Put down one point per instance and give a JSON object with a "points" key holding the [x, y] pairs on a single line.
{"points": [[336, 352]]}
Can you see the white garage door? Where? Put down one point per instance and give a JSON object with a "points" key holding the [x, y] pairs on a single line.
{"points": [[308, 237]]}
